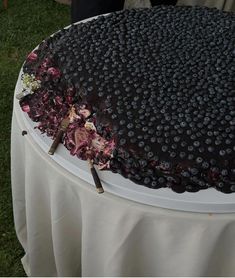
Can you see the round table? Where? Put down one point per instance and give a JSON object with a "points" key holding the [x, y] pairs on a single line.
{"points": [[67, 229]]}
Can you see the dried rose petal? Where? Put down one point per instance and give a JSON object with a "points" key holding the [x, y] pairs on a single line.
{"points": [[82, 138], [69, 99], [58, 100], [98, 143], [54, 72], [25, 108], [109, 147], [45, 97], [32, 57], [84, 112], [104, 166]]}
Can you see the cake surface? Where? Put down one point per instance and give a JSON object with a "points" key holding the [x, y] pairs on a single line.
{"points": [[150, 94]]}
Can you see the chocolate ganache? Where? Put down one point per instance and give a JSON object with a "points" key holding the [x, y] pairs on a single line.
{"points": [[151, 93]]}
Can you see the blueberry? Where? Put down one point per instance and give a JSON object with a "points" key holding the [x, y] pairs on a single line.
{"points": [[122, 141], [147, 180]]}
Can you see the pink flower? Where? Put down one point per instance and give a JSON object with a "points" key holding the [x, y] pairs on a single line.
{"points": [[25, 108], [45, 63], [54, 72], [82, 139], [45, 97], [84, 112], [58, 100], [32, 56]]}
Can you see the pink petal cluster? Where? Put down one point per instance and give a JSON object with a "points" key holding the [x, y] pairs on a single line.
{"points": [[54, 72], [25, 108], [32, 57]]}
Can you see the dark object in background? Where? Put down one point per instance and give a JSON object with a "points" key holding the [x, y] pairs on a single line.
{"points": [[5, 3], [163, 2], [81, 9]]}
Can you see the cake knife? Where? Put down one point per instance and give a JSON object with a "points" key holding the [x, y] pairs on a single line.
{"points": [[63, 126], [96, 178]]}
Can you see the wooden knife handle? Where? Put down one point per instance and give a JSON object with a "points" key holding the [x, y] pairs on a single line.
{"points": [[56, 142], [97, 181]]}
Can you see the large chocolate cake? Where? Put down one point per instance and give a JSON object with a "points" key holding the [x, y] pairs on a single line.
{"points": [[150, 94]]}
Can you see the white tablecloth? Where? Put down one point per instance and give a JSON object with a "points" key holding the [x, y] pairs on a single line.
{"points": [[67, 229]]}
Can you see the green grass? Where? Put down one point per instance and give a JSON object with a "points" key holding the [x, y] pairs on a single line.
{"points": [[22, 26]]}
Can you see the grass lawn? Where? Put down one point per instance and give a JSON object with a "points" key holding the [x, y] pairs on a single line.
{"points": [[22, 26]]}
